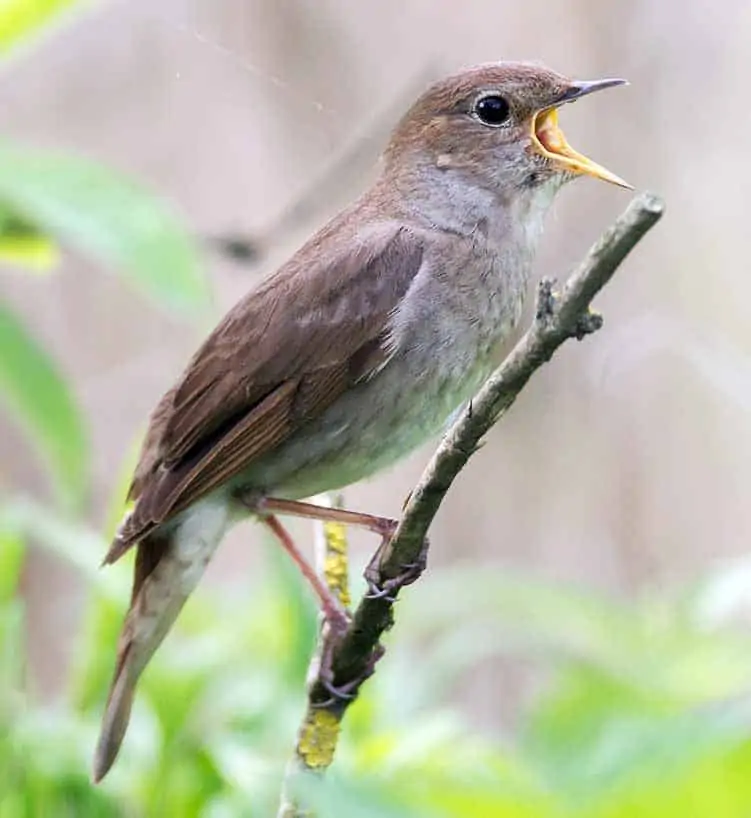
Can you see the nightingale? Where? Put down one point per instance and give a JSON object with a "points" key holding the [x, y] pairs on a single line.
{"points": [[354, 352]]}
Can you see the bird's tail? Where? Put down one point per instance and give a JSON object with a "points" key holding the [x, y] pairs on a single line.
{"points": [[115, 721], [153, 608], [168, 567]]}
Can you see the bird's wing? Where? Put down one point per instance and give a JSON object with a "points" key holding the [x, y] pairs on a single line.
{"points": [[278, 359]]}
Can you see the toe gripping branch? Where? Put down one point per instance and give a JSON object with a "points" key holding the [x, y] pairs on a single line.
{"points": [[380, 587], [348, 660]]}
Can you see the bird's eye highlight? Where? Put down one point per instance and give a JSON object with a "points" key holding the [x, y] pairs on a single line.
{"points": [[492, 110]]}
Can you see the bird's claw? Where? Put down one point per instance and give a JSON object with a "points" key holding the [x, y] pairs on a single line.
{"points": [[387, 589], [346, 692]]}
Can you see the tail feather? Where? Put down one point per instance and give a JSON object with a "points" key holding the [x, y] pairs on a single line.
{"points": [[115, 721], [168, 567], [132, 656]]}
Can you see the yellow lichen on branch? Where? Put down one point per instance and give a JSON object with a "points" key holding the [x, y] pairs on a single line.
{"points": [[336, 561], [317, 740]]}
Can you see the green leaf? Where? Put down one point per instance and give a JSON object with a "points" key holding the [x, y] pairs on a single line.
{"points": [[40, 401], [12, 554], [33, 253], [109, 217], [22, 245], [19, 19]]}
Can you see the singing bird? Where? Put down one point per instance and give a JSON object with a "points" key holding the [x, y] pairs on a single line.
{"points": [[355, 351]]}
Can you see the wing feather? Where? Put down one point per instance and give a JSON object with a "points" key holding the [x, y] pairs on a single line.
{"points": [[278, 359]]}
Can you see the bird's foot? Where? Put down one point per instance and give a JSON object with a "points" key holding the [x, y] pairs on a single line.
{"points": [[346, 692], [388, 588]]}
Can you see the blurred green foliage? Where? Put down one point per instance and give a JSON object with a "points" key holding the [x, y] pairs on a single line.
{"points": [[639, 710], [43, 404], [107, 216], [24, 245], [48, 199], [21, 20]]}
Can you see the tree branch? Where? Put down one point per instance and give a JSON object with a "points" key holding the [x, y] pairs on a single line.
{"points": [[559, 316]]}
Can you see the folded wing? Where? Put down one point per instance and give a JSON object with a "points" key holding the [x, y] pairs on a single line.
{"points": [[278, 359]]}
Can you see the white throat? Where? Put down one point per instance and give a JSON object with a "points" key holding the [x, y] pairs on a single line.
{"points": [[445, 200]]}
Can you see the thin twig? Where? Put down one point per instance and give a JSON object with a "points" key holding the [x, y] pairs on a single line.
{"points": [[559, 316]]}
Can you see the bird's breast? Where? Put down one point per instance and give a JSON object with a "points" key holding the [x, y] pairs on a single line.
{"points": [[464, 305]]}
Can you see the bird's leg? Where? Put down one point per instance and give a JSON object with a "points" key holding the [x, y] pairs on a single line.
{"points": [[383, 526], [336, 617], [268, 507]]}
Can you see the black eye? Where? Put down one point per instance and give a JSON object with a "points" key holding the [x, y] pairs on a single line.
{"points": [[492, 110]]}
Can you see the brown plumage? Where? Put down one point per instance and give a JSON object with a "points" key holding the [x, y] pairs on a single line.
{"points": [[274, 361], [281, 355], [357, 349]]}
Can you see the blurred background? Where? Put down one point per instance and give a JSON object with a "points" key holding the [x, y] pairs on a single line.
{"points": [[582, 627]]}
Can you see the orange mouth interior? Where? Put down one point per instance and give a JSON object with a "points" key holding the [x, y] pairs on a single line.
{"points": [[548, 140]]}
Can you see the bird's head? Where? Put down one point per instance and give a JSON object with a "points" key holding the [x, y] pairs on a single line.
{"points": [[496, 126]]}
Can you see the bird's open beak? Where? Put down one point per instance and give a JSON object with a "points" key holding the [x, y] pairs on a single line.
{"points": [[548, 138]]}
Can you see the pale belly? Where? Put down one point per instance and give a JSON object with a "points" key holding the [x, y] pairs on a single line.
{"points": [[369, 429]]}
